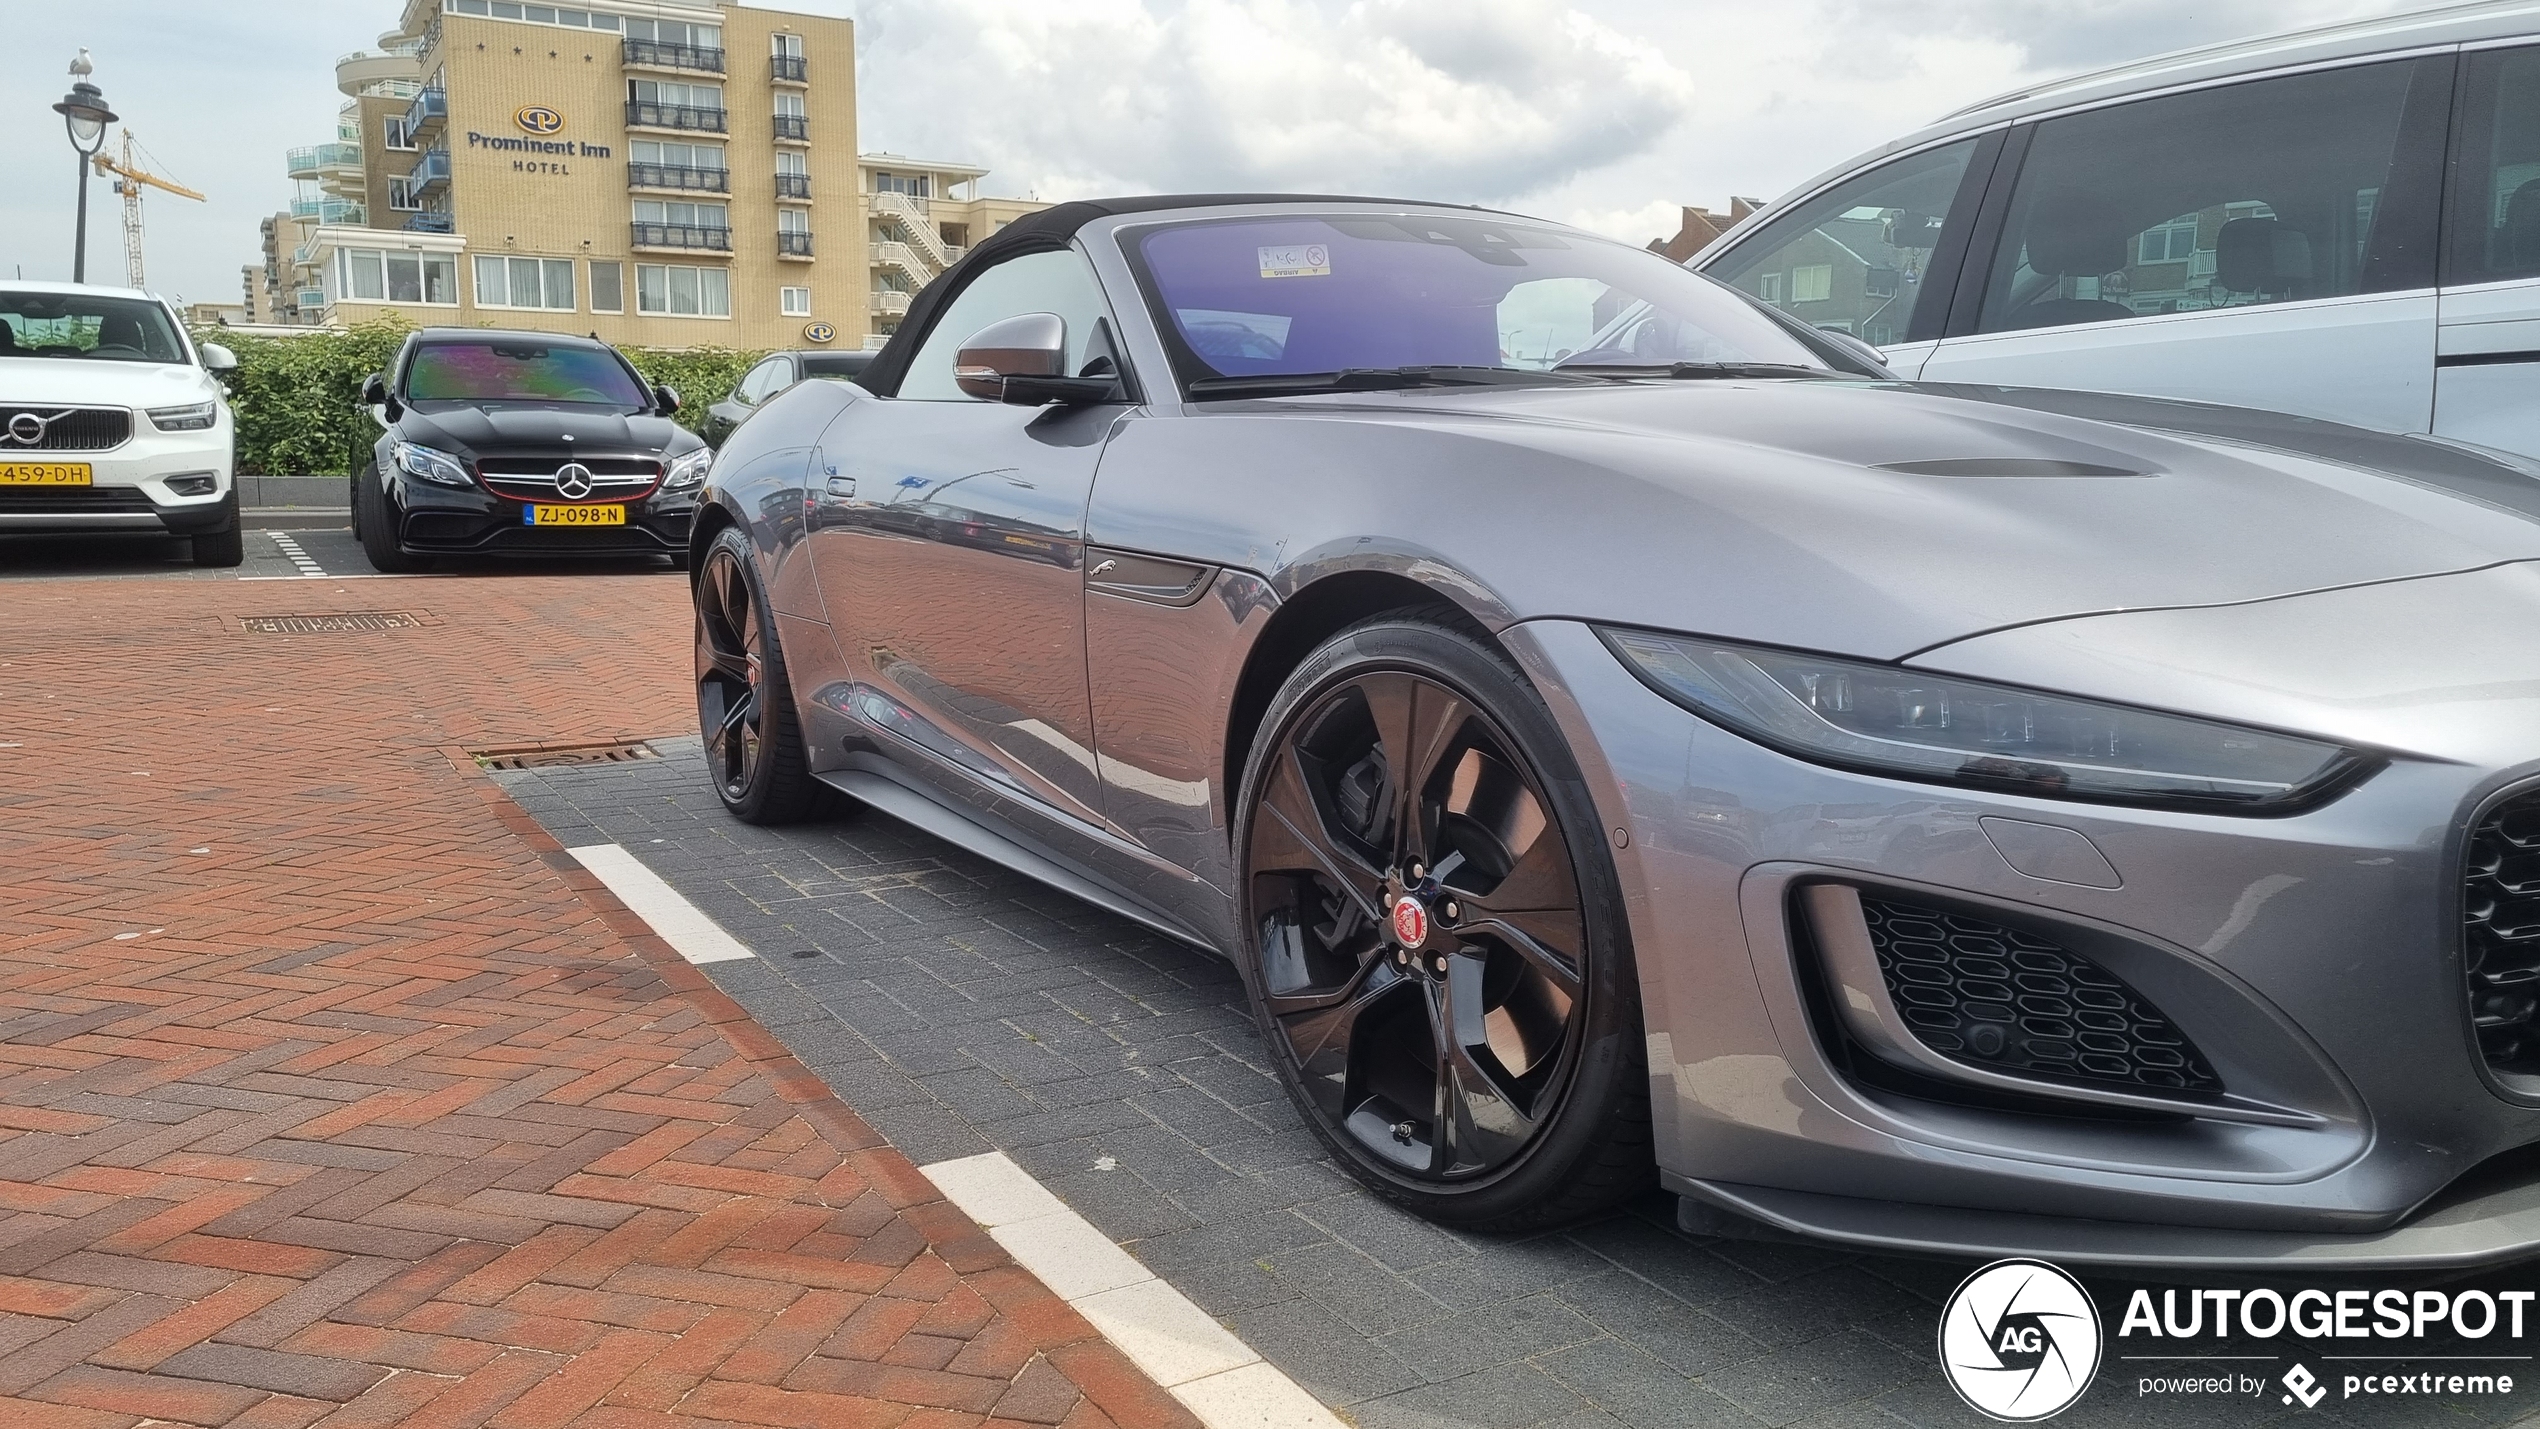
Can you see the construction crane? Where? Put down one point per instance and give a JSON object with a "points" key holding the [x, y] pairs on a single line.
{"points": [[129, 179]]}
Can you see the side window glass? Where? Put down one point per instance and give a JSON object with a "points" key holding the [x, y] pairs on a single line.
{"points": [[2264, 192], [1855, 258], [2497, 222], [1060, 282], [760, 383]]}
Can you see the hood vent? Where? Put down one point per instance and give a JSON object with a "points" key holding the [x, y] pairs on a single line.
{"points": [[2005, 466]]}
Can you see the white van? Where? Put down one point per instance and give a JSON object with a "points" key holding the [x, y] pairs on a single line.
{"points": [[2342, 223]]}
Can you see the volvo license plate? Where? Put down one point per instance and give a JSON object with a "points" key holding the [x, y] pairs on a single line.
{"points": [[600, 515]]}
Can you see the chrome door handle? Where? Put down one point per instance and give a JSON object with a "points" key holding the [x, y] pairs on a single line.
{"points": [[842, 486]]}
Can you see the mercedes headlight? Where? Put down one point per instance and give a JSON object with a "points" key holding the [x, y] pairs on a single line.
{"points": [[431, 465], [1910, 724], [690, 469], [194, 417]]}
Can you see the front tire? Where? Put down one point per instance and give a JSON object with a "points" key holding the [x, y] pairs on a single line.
{"points": [[745, 703], [225, 547], [1432, 934], [378, 528]]}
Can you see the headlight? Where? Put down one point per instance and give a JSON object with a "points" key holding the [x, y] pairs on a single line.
{"points": [[199, 417], [1882, 719], [690, 469], [431, 465]]}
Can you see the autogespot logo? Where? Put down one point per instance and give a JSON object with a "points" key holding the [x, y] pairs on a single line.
{"points": [[2019, 1340], [539, 119]]}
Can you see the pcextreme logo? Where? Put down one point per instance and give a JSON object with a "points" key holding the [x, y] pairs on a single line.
{"points": [[2019, 1341], [539, 119]]}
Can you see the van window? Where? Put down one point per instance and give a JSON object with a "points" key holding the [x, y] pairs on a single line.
{"points": [[1854, 258], [2496, 224], [2265, 192]]}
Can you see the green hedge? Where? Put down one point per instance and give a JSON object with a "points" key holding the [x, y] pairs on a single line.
{"points": [[298, 399]]}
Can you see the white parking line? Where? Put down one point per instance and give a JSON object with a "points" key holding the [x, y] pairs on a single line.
{"points": [[298, 557], [1224, 1382], [680, 923]]}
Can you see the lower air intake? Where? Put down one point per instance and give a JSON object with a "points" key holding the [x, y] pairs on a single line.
{"points": [[1995, 997], [2500, 945]]}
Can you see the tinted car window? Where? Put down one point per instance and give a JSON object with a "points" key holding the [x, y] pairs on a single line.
{"points": [[78, 325], [2264, 192], [1057, 282], [763, 381], [521, 372], [1306, 294], [1856, 258], [838, 365], [2497, 222]]}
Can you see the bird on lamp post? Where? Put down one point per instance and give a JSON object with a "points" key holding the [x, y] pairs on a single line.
{"points": [[85, 116]]}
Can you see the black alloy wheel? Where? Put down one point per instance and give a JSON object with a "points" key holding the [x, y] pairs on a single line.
{"points": [[1433, 940], [745, 708]]}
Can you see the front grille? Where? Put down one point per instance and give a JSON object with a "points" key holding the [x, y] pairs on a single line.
{"points": [[2500, 944], [57, 500], [534, 478], [63, 429], [1995, 997]]}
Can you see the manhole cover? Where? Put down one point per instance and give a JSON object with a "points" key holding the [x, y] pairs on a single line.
{"points": [[551, 755], [344, 624]]}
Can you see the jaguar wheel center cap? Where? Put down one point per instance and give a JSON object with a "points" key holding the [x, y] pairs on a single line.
{"points": [[1410, 922]]}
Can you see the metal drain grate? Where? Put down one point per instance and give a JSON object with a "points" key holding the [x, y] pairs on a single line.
{"points": [[549, 756], [344, 624]]}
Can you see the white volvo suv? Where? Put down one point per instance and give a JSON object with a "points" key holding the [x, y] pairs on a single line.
{"points": [[111, 420]]}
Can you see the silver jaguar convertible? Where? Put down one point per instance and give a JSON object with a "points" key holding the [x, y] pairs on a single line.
{"points": [[1618, 732]]}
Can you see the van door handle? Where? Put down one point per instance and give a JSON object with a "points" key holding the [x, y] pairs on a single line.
{"points": [[842, 486]]}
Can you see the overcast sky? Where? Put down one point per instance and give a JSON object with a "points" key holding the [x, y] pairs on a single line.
{"points": [[1603, 112]]}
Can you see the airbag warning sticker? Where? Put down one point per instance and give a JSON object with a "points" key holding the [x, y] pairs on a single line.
{"points": [[1296, 260]]}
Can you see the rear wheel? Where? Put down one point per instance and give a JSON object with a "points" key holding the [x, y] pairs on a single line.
{"points": [[1432, 934], [745, 704], [378, 528]]}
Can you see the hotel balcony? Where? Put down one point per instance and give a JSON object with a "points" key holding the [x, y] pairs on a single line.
{"points": [[681, 177], [431, 106], [660, 54], [331, 211], [428, 221], [375, 72], [682, 236], [890, 302], [316, 160], [793, 186], [793, 245], [793, 128], [643, 114], [432, 166], [789, 69]]}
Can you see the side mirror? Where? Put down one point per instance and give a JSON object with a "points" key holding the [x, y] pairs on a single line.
{"points": [[217, 358], [383, 407], [666, 399], [1857, 348], [1022, 360]]}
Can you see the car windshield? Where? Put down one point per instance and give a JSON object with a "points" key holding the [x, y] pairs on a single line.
{"points": [[507, 371], [1297, 295], [81, 325]]}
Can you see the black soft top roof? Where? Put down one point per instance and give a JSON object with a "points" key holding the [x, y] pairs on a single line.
{"points": [[1054, 227]]}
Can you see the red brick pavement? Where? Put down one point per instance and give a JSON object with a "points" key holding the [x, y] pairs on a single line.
{"points": [[332, 1092]]}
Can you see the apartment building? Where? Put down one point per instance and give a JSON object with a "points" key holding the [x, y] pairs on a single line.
{"points": [[920, 216], [671, 175]]}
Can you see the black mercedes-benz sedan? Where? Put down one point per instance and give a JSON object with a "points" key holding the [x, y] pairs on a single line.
{"points": [[519, 443]]}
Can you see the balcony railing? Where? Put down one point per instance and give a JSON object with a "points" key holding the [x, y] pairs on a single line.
{"points": [[428, 222], [887, 300], [430, 106], [680, 235], [903, 257], [308, 161], [793, 185], [789, 69], [679, 176], [432, 166], [644, 114], [906, 205], [328, 210], [661, 54], [791, 244], [793, 126]]}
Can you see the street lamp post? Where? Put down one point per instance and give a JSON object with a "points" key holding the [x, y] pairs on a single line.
{"points": [[85, 116]]}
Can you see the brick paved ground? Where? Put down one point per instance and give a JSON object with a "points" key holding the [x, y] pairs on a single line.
{"points": [[331, 1092]]}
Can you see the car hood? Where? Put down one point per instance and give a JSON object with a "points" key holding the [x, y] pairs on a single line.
{"points": [[113, 384], [482, 431], [1882, 519]]}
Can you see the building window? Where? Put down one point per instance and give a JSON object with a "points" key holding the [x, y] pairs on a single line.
{"points": [[677, 94], [677, 291], [679, 213], [914, 185], [370, 275], [795, 302], [2172, 242], [678, 155], [793, 220], [676, 32], [545, 283], [396, 137], [786, 47], [1771, 288], [1813, 283], [794, 163], [608, 287], [535, 14], [401, 197]]}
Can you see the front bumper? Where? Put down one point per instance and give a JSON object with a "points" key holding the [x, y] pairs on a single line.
{"points": [[132, 488], [447, 520], [2315, 960]]}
